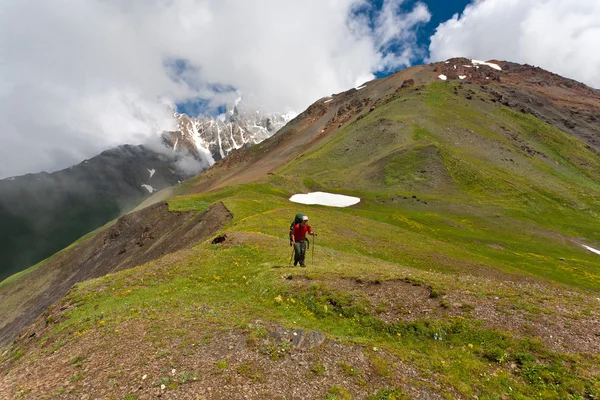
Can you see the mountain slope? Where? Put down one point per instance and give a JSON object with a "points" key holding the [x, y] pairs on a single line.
{"points": [[460, 273], [42, 213]]}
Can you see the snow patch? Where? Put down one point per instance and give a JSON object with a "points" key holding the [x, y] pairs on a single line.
{"points": [[327, 101], [447, 62], [462, 76], [290, 115], [149, 188], [495, 66], [152, 171], [361, 87], [442, 77], [591, 249], [325, 199]]}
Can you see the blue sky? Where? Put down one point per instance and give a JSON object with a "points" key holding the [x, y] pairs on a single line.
{"points": [[440, 11]]}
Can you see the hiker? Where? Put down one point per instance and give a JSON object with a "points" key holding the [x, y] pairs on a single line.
{"points": [[299, 240]]}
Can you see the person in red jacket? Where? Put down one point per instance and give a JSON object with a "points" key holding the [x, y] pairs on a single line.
{"points": [[299, 239]]}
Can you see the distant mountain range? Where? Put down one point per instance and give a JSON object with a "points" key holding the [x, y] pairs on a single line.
{"points": [[215, 138]]}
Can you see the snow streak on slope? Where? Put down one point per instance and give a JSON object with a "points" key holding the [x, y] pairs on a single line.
{"points": [[591, 249]]}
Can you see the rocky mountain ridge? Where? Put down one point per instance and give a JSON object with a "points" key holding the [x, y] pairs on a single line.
{"points": [[214, 138]]}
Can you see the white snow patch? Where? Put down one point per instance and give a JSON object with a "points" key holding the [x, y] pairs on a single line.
{"points": [[447, 62], [591, 249], [361, 87], [290, 115], [462, 76], [152, 171], [455, 67], [327, 101], [495, 66], [149, 188], [468, 66], [325, 199], [442, 77]]}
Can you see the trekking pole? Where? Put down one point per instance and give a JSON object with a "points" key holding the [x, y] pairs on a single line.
{"points": [[313, 246], [292, 256]]}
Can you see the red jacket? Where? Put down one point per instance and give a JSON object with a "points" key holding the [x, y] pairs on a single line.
{"points": [[299, 232]]}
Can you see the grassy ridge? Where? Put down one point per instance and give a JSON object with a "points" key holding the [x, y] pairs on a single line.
{"points": [[457, 196], [241, 282]]}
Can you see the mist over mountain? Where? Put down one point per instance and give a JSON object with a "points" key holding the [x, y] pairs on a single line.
{"points": [[44, 212]]}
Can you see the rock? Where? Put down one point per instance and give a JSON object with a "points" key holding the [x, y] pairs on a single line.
{"points": [[407, 83], [299, 338], [219, 239]]}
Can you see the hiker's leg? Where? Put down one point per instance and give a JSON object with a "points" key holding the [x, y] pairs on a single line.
{"points": [[296, 253], [302, 252]]}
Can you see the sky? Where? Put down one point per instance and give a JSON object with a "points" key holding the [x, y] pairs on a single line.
{"points": [[79, 77]]}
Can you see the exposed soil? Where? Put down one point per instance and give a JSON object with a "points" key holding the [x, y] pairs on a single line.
{"points": [[260, 361], [133, 240], [562, 328]]}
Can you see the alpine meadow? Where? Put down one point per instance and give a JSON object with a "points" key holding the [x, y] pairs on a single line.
{"points": [[467, 270]]}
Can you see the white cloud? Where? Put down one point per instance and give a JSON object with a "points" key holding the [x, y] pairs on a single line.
{"points": [[558, 35], [77, 77]]}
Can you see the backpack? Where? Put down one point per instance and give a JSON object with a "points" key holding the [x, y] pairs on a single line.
{"points": [[297, 220]]}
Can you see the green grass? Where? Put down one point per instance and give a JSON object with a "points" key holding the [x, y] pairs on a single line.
{"points": [[474, 220], [243, 274]]}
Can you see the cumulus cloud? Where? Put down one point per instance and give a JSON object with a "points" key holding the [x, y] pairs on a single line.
{"points": [[558, 35], [77, 77]]}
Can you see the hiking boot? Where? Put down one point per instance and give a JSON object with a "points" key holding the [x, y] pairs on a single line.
{"points": [[303, 265], [295, 263]]}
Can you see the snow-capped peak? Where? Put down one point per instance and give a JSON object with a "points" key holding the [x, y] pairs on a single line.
{"points": [[216, 137]]}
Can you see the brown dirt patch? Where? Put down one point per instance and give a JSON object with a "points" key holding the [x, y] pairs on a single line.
{"points": [[134, 239], [195, 361], [563, 328]]}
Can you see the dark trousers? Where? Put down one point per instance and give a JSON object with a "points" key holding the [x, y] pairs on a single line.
{"points": [[299, 252]]}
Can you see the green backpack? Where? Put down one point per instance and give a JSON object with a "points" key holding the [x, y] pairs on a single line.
{"points": [[297, 220]]}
